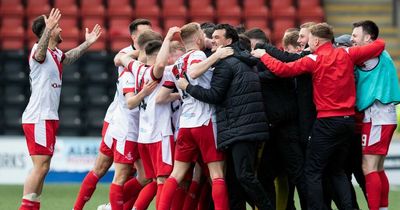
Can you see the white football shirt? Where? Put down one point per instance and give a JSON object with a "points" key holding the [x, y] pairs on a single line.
{"points": [[46, 81]]}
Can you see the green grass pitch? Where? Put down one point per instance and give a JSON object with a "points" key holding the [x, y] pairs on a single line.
{"points": [[62, 197]]}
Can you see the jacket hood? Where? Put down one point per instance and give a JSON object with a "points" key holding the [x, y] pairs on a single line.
{"points": [[243, 55]]}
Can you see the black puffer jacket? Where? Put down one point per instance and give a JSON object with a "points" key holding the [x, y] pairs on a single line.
{"points": [[236, 91]]}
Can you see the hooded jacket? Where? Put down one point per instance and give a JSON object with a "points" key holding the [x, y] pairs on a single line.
{"points": [[236, 92]]}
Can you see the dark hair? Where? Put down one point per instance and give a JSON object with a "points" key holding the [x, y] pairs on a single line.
{"points": [[208, 29], [152, 47], [207, 25], [291, 39], [369, 27], [134, 25], [257, 33], [38, 26], [240, 29], [244, 42], [146, 37], [230, 31]]}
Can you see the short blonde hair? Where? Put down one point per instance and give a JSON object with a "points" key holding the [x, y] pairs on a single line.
{"points": [[322, 30], [188, 30], [307, 25], [175, 46]]}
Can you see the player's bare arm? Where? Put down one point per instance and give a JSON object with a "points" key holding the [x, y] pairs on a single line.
{"points": [[197, 69], [90, 38], [162, 57], [133, 100], [127, 58], [117, 58], [51, 23], [165, 95]]}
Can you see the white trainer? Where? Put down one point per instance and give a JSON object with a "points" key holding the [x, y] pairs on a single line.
{"points": [[106, 206]]}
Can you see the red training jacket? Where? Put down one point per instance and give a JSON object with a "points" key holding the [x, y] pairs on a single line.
{"points": [[332, 72]]}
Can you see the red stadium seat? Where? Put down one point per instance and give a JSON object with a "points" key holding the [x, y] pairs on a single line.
{"points": [[69, 28], [230, 13], [119, 8], [89, 23], [37, 8], [280, 25], [307, 14], [173, 3], [256, 22], [68, 8], [151, 12], [199, 4], [141, 3], [226, 3], [206, 14], [174, 11], [282, 9], [308, 3], [12, 38], [119, 28], [115, 3], [68, 44], [118, 44], [260, 11], [93, 11], [170, 22], [231, 21], [119, 34], [10, 8], [253, 3]]}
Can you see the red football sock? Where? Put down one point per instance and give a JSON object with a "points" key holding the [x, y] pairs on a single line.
{"points": [[159, 194], [167, 194], [204, 198], [131, 191], [179, 199], [192, 196], [88, 186], [220, 194], [146, 195], [385, 189], [29, 205], [116, 196], [374, 188], [36, 205]]}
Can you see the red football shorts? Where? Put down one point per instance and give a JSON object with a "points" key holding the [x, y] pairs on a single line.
{"points": [[376, 138], [41, 136], [157, 158], [194, 141]]}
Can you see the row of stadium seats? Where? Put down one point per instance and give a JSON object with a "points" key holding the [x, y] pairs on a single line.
{"points": [[88, 88], [15, 29]]}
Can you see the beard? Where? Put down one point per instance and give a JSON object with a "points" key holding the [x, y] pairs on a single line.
{"points": [[59, 39]]}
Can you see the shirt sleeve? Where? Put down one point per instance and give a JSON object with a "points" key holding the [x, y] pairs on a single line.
{"points": [[301, 66], [360, 54], [196, 57], [168, 80], [134, 65], [127, 80]]}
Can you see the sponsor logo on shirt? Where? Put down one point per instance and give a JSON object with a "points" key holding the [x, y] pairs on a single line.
{"points": [[55, 85]]}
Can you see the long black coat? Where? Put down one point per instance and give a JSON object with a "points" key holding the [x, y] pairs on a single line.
{"points": [[236, 92]]}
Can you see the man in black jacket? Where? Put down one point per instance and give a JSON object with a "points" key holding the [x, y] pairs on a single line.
{"points": [[241, 120], [283, 154]]}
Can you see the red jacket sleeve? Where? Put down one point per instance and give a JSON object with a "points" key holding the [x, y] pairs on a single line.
{"points": [[280, 69], [360, 54]]}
